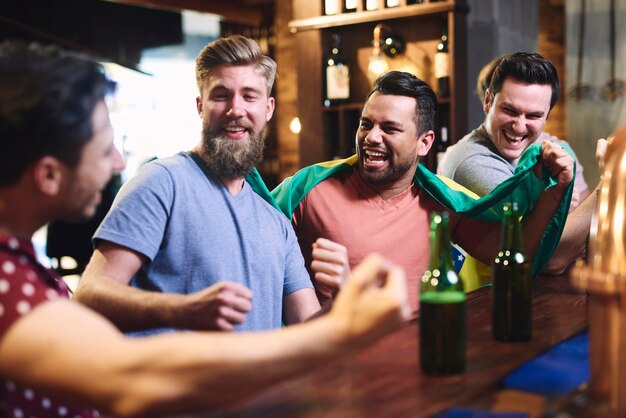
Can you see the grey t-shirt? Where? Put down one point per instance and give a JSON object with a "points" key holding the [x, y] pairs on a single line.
{"points": [[474, 162], [195, 234]]}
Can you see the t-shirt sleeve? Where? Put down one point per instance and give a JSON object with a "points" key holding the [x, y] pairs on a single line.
{"points": [[296, 275], [140, 212]]}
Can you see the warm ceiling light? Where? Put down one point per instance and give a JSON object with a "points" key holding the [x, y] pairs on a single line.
{"points": [[295, 126], [391, 44]]}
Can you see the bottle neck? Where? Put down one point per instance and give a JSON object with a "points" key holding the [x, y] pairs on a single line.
{"points": [[335, 48], [511, 234], [440, 254], [441, 277]]}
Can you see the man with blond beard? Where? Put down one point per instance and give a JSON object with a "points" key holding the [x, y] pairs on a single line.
{"points": [[191, 234]]}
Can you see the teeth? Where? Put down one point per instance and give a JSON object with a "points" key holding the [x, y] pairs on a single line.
{"points": [[374, 154], [234, 129], [513, 137]]}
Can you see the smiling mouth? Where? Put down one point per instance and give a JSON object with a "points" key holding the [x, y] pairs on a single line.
{"points": [[235, 129], [374, 158], [514, 138]]}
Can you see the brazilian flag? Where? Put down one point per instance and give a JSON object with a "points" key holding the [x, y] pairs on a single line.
{"points": [[523, 187]]}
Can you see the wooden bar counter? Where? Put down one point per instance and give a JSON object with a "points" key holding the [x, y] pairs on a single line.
{"points": [[386, 380]]}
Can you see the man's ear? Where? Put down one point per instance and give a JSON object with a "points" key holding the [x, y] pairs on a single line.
{"points": [[271, 103], [424, 142], [487, 101], [48, 175], [199, 105]]}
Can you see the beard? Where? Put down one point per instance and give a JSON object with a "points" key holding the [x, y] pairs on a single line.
{"points": [[393, 172], [231, 159]]}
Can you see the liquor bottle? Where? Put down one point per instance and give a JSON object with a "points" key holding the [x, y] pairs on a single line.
{"points": [[349, 6], [512, 282], [392, 3], [442, 306], [442, 146], [442, 69], [337, 75], [409, 2], [331, 7]]}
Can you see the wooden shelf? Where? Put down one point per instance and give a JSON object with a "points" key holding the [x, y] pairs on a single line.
{"points": [[354, 18], [329, 131], [344, 106]]}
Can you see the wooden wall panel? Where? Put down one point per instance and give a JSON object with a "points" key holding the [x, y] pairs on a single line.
{"points": [[552, 46]]}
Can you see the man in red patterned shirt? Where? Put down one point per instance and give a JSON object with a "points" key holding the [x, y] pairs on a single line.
{"points": [[58, 358]]}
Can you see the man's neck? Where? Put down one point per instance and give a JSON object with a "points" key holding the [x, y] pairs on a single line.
{"points": [[388, 191], [234, 186], [17, 226], [21, 221]]}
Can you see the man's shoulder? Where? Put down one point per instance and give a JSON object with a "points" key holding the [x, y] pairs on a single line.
{"points": [[466, 151], [336, 181], [475, 140], [178, 167], [173, 163]]}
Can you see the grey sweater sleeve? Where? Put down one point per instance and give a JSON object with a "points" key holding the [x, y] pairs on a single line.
{"points": [[482, 172]]}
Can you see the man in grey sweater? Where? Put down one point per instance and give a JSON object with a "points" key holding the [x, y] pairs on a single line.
{"points": [[523, 89]]}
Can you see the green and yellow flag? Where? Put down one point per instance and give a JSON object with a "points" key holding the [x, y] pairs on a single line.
{"points": [[523, 187]]}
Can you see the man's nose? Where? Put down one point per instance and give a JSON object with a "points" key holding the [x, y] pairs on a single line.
{"points": [[118, 163], [374, 136], [236, 106], [519, 124]]}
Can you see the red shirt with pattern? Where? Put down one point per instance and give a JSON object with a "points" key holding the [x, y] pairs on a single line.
{"points": [[24, 284]]}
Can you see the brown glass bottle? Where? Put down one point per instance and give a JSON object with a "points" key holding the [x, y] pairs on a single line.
{"points": [[442, 67], [336, 75], [512, 282], [442, 306]]}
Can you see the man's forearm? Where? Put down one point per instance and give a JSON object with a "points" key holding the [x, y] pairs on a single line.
{"points": [[130, 309], [161, 375], [572, 244], [220, 369], [537, 221]]}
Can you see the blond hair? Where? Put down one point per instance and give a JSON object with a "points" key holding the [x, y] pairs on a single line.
{"points": [[234, 50]]}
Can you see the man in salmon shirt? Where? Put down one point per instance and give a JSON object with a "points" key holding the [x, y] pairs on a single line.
{"points": [[381, 199]]}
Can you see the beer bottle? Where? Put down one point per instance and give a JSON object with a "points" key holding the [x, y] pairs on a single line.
{"points": [[442, 306], [512, 282]]}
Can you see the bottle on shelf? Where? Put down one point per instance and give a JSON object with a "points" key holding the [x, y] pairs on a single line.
{"points": [[349, 6], [512, 282], [442, 146], [336, 75], [410, 2], [331, 7], [392, 3], [443, 331], [442, 68]]}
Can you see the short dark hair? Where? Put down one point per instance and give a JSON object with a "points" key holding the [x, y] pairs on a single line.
{"points": [[47, 98], [401, 83], [528, 67]]}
